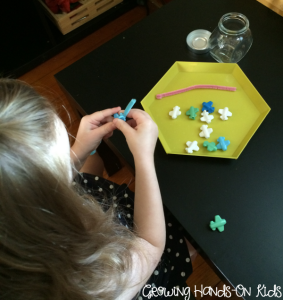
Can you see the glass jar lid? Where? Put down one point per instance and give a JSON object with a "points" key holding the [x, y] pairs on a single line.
{"points": [[197, 41]]}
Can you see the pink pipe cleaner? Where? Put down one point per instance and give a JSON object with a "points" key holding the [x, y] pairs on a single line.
{"points": [[193, 87]]}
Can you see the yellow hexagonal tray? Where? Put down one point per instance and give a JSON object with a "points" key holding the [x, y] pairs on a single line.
{"points": [[247, 106]]}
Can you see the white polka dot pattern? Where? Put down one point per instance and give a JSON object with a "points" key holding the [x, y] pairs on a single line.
{"points": [[176, 250]]}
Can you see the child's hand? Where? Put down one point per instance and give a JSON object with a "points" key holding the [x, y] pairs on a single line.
{"points": [[141, 133], [93, 128]]}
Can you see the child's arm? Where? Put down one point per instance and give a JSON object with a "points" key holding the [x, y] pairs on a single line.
{"points": [[141, 135], [93, 128]]}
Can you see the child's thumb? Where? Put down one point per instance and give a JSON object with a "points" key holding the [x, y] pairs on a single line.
{"points": [[122, 126]]}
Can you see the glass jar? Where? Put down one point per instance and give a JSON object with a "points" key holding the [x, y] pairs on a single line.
{"points": [[232, 39]]}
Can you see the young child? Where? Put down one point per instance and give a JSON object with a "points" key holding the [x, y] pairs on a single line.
{"points": [[86, 238]]}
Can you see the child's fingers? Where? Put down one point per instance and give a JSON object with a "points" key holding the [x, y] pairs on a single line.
{"points": [[132, 123], [107, 120], [138, 115], [104, 114], [108, 135], [104, 130], [123, 126]]}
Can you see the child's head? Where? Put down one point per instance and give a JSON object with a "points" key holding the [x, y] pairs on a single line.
{"points": [[30, 130], [54, 243]]}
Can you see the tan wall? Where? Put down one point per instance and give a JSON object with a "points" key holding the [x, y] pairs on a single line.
{"points": [[275, 5]]}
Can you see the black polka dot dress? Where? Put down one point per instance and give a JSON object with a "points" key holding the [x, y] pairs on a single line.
{"points": [[175, 265]]}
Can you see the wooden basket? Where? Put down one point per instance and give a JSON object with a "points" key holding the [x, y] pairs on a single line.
{"points": [[90, 9]]}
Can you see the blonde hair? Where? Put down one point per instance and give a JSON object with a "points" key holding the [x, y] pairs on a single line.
{"points": [[55, 242]]}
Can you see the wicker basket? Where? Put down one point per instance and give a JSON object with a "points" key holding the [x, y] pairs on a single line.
{"points": [[90, 9]]}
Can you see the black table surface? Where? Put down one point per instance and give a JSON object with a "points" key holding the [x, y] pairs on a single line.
{"points": [[247, 192]]}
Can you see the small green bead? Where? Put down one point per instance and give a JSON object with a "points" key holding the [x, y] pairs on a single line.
{"points": [[210, 146], [192, 112], [218, 223]]}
